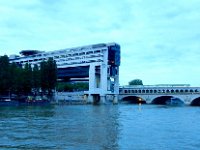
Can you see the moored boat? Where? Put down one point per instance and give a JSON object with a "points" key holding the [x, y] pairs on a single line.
{"points": [[24, 101], [34, 101], [5, 101]]}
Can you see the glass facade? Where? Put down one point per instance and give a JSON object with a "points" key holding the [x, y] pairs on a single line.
{"points": [[114, 55]]}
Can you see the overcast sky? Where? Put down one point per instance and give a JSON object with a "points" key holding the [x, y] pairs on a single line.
{"points": [[160, 39]]}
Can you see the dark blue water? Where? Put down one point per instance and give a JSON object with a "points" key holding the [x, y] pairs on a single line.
{"points": [[146, 127]]}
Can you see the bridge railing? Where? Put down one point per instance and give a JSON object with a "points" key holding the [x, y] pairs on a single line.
{"points": [[159, 90]]}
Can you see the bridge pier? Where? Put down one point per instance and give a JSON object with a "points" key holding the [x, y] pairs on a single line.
{"points": [[90, 99], [115, 99], [95, 99], [102, 99], [103, 81]]}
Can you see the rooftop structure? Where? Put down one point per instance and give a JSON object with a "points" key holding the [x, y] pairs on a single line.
{"points": [[29, 52]]}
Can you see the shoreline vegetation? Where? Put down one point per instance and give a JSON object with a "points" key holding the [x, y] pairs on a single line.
{"points": [[27, 82], [29, 85]]}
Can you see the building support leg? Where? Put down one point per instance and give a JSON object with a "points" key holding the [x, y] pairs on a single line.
{"points": [[90, 99], [115, 99], [102, 99]]}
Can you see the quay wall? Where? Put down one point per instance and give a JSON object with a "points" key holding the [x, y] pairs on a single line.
{"points": [[70, 98]]}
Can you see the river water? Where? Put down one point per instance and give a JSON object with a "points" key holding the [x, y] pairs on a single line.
{"points": [[102, 127]]}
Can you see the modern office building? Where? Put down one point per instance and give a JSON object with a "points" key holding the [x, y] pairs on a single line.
{"points": [[99, 63]]}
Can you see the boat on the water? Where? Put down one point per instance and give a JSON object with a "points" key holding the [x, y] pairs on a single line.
{"points": [[24, 101], [174, 102], [34, 101], [4, 101]]}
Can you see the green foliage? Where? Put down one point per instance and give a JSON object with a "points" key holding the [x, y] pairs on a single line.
{"points": [[136, 82], [52, 74], [43, 76], [48, 75], [71, 87], [4, 74], [18, 80], [36, 78], [27, 79]]}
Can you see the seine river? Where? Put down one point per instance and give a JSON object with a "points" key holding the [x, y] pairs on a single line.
{"points": [[102, 127]]}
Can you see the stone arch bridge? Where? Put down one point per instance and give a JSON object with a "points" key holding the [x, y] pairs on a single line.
{"points": [[159, 94]]}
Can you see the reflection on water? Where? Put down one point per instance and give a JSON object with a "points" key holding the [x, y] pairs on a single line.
{"points": [[100, 127]]}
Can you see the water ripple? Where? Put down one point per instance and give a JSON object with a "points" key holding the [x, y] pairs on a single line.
{"points": [[140, 127]]}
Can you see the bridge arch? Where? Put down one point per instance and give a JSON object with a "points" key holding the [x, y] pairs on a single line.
{"points": [[134, 100], [161, 100], [195, 102]]}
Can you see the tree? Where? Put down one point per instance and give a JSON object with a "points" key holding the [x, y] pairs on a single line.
{"points": [[27, 79], [48, 73], [36, 79], [18, 79], [136, 82], [4, 74], [70, 87], [13, 77], [52, 74], [44, 76]]}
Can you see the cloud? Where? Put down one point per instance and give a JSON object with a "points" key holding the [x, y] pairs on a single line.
{"points": [[157, 38]]}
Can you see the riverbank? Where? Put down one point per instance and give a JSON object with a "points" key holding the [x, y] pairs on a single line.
{"points": [[24, 101], [69, 102]]}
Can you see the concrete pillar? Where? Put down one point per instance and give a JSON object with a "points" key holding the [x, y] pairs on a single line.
{"points": [[90, 99], [92, 78], [56, 97], [102, 99], [187, 100], [116, 81], [115, 99], [85, 98], [104, 79]]}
